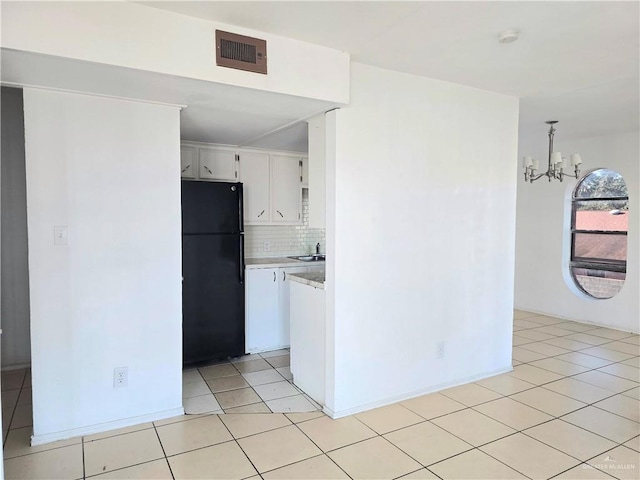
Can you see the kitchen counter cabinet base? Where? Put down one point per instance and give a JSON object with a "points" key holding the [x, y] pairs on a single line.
{"points": [[308, 342], [267, 308]]}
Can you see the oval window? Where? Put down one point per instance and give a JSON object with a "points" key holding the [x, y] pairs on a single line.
{"points": [[599, 225]]}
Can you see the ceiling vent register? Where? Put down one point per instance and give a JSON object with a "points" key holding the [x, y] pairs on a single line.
{"points": [[240, 52]]}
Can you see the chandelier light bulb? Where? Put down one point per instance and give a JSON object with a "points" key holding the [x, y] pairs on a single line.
{"points": [[576, 159]]}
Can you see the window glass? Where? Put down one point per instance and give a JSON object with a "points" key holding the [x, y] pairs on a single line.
{"points": [[599, 225], [600, 247], [601, 183]]}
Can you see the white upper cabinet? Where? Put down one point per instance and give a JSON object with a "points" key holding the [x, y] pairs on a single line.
{"points": [[255, 175], [272, 180], [286, 172], [217, 164], [202, 162], [188, 161]]}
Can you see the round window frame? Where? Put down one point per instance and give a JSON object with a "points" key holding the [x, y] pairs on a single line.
{"points": [[611, 266]]}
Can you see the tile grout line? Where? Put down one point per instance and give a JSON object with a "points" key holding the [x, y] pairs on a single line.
{"points": [[567, 361], [262, 400], [481, 451], [166, 459], [605, 341], [84, 467], [584, 463], [396, 430], [576, 379], [240, 447], [581, 428], [321, 450], [15, 407], [521, 430]]}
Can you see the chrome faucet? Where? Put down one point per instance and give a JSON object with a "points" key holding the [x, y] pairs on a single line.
{"points": [[318, 248]]}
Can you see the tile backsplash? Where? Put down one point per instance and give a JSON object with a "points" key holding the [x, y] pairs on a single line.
{"points": [[284, 240]]}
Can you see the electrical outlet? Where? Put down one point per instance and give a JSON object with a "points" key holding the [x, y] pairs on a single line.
{"points": [[440, 350], [120, 377], [266, 246]]}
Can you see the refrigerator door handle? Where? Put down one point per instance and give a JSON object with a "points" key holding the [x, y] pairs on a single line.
{"points": [[241, 259], [241, 207]]}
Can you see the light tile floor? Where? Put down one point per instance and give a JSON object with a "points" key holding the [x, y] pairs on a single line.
{"points": [[16, 400], [569, 410], [258, 383]]}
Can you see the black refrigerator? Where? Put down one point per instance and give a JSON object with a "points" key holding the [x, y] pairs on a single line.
{"points": [[212, 271]]}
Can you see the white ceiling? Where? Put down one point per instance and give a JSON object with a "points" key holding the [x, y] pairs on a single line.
{"points": [[577, 62]]}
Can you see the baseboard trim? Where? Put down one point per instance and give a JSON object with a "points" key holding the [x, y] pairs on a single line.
{"points": [[104, 427], [416, 393]]}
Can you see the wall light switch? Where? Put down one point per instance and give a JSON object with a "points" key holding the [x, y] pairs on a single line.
{"points": [[61, 236]]}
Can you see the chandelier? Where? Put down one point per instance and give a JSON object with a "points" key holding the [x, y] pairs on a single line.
{"points": [[557, 163]]}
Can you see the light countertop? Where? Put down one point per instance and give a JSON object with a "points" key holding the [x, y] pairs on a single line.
{"points": [[277, 262], [313, 279]]}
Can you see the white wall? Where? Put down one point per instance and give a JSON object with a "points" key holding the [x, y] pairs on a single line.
{"points": [[543, 233], [145, 38], [109, 170], [421, 191]]}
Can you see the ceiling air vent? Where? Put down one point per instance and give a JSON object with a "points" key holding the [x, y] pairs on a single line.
{"points": [[243, 53]]}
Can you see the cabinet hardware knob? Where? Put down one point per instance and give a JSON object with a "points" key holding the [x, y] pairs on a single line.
{"points": [[284, 276], [280, 213], [185, 168], [260, 213]]}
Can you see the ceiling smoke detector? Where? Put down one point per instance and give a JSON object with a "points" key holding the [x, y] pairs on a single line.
{"points": [[508, 36]]}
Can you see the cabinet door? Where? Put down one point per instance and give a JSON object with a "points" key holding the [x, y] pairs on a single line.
{"points": [[262, 310], [254, 174], [216, 164], [308, 340], [285, 189], [188, 161], [285, 318]]}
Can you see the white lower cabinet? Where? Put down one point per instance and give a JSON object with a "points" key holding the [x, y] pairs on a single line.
{"points": [[267, 308], [308, 342]]}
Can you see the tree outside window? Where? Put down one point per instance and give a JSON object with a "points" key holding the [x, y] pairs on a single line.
{"points": [[599, 225]]}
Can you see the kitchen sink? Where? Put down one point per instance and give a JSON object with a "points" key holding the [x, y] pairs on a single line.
{"points": [[310, 258]]}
